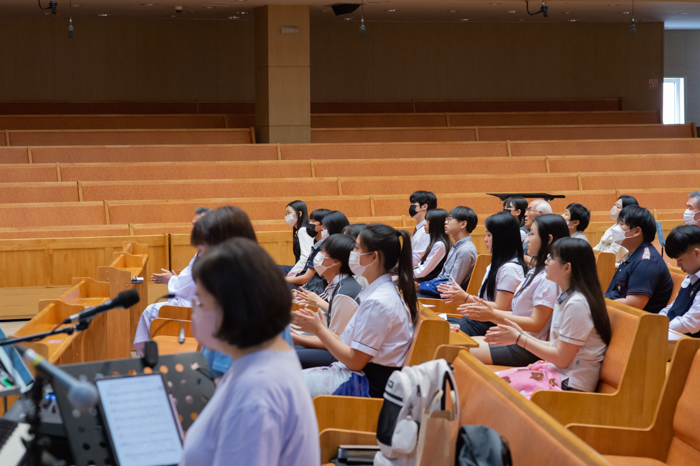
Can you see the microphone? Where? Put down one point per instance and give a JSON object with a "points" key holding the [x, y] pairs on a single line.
{"points": [[181, 335], [81, 395], [125, 299]]}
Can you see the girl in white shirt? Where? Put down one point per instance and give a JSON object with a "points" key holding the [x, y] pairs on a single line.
{"points": [[580, 330], [606, 243], [533, 301], [297, 217], [377, 338], [502, 277], [433, 259]]}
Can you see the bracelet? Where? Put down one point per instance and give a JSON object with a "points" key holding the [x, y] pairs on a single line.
{"points": [[517, 339], [467, 298]]}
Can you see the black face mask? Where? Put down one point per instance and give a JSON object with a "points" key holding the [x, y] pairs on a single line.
{"points": [[311, 230], [412, 211]]}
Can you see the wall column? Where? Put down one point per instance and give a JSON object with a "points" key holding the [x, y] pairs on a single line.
{"points": [[282, 74]]}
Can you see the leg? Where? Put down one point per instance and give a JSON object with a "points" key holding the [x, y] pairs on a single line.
{"points": [[429, 288], [473, 328], [143, 330], [482, 352], [311, 357]]}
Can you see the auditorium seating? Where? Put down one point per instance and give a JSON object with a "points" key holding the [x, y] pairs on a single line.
{"points": [[166, 332], [127, 136], [70, 122], [534, 437]]}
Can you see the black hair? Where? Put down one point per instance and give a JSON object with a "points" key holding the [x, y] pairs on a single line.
{"points": [[424, 197], [354, 230], [584, 279], [302, 213], [634, 216], [250, 289], [547, 224], [465, 214], [318, 215], [517, 203], [334, 222], [580, 213], [394, 246], [680, 239], [220, 225], [202, 210], [338, 247], [436, 228], [627, 201], [506, 245]]}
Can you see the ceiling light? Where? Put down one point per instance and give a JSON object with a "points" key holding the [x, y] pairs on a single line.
{"points": [[464, 19], [208, 7], [613, 4], [573, 20], [234, 17], [625, 12], [512, 11], [103, 14], [148, 4], [242, 13], [390, 11], [453, 11]]}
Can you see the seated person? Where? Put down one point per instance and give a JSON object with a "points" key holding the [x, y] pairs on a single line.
{"points": [[433, 259], [339, 300], [180, 285], [577, 218], [376, 340], [533, 301], [315, 230], [297, 217], [422, 202], [261, 413], [683, 244], [462, 256], [517, 205], [501, 278], [536, 208], [606, 243], [691, 216], [580, 330], [642, 280]]}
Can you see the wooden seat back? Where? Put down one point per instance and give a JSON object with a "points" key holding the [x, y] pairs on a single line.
{"points": [[605, 265], [677, 275], [128, 137], [482, 262], [166, 332], [429, 333]]}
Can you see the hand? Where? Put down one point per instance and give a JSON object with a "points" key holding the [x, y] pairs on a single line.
{"points": [[452, 293], [309, 321], [308, 298], [292, 274], [163, 278], [483, 311], [503, 334]]}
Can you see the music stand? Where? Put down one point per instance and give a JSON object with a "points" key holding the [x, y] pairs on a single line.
{"points": [[545, 196], [186, 377]]}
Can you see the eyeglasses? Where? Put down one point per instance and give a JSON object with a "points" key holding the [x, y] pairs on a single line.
{"points": [[449, 218], [551, 259]]}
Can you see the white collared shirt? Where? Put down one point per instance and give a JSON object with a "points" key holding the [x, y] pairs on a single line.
{"points": [[508, 278], [381, 326], [437, 252], [539, 292], [690, 321], [419, 242], [580, 235], [182, 285]]}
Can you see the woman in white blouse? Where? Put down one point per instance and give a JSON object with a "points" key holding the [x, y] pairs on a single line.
{"points": [[606, 243], [432, 261]]}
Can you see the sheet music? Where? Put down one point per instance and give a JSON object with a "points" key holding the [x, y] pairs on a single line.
{"points": [[140, 421]]}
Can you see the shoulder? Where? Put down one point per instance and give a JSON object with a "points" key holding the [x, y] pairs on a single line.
{"points": [[577, 301]]}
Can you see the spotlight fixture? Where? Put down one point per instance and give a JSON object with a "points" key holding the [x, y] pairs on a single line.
{"points": [[363, 30], [633, 26], [543, 9], [344, 8]]}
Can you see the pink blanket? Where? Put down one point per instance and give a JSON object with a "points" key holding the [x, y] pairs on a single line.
{"points": [[538, 376]]}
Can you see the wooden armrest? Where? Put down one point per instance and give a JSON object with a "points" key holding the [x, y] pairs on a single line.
{"points": [[622, 441], [448, 352], [331, 439], [454, 316], [570, 407], [462, 339], [347, 412]]}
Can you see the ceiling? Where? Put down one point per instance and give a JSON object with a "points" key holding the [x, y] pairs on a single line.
{"points": [[675, 15]]}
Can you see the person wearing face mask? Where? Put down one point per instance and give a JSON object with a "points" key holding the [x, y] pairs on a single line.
{"points": [[606, 243], [213, 229], [421, 203], [338, 300], [377, 338], [642, 280], [314, 229], [691, 216], [297, 217], [577, 219], [683, 244], [180, 285], [261, 413]]}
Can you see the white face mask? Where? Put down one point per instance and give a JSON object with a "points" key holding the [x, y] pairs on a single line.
{"points": [[324, 234], [354, 263], [691, 218], [619, 235], [204, 326], [318, 263], [291, 220], [614, 212]]}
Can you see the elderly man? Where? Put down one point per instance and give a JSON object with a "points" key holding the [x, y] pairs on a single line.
{"points": [[536, 208], [181, 286], [691, 216]]}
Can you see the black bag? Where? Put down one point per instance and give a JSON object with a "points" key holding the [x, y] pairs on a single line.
{"points": [[481, 446]]}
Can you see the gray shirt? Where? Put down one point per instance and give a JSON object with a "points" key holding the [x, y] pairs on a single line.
{"points": [[460, 261]]}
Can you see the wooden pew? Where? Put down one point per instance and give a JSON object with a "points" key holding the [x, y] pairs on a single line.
{"points": [[128, 137], [534, 437], [620, 163], [672, 436], [606, 147], [22, 193], [677, 275], [165, 333], [58, 122], [605, 265]]}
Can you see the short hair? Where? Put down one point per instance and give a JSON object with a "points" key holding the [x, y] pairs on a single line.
{"points": [[695, 195], [465, 214], [354, 230], [220, 225], [250, 289], [543, 207], [634, 216], [424, 197], [334, 222], [580, 213], [317, 215], [201, 210], [680, 239], [338, 247], [627, 200]]}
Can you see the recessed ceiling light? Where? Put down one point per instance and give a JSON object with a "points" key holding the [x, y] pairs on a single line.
{"points": [[521, 20], [75, 6], [512, 11], [453, 11], [242, 13], [103, 14], [349, 19], [464, 19], [573, 20], [149, 4], [208, 7], [241, 0], [234, 17], [625, 12], [390, 11]]}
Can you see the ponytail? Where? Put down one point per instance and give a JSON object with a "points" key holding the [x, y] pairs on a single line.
{"points": [[405, 269]]}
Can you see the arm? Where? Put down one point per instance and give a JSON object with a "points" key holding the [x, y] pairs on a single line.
{"points": [[163, 278], [634, 300], [689, 322], [310, 298], [305, 243], [307, 341], [434, 257], [485, 311], [301, 279]]}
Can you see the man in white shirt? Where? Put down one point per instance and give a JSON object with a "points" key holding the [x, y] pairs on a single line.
{"points": [[421, 203], [691, 216], [180, 286], [683, 244], [536, 208]]}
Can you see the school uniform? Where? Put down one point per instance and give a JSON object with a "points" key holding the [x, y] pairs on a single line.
{"points": [[580, 235], [607, 244], [508, 279], [684, 312], [382, 328], [459, 265], [419, 242], [643, 273], [183, 287], [433, 264], [317, 283], [301, 247]]}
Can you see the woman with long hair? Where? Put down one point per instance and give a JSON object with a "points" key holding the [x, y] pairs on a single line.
{"points": [[434, 257], [580, 330], [297, 217], [377, 338], [517, 205], [606, 243]]}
